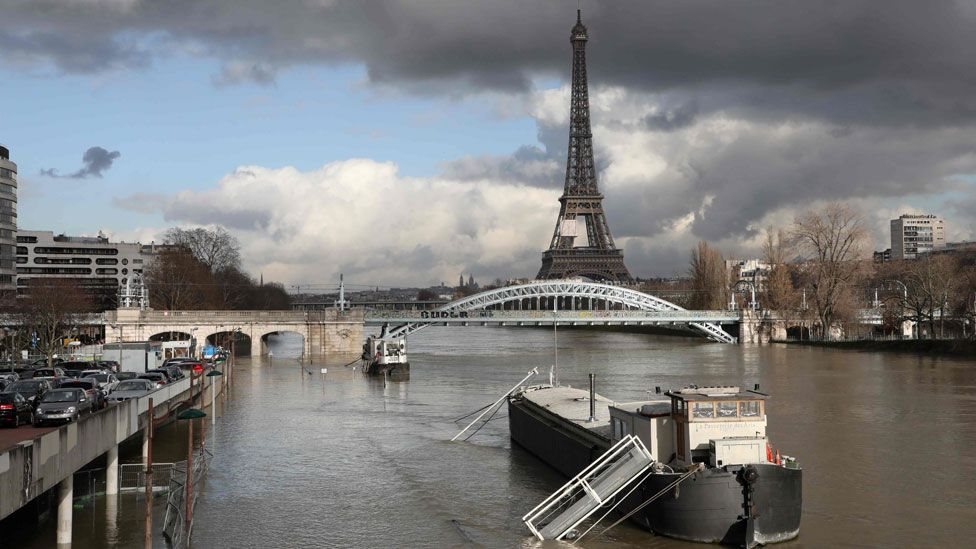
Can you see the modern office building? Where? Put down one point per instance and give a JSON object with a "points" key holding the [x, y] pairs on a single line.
{"points": [[916, 234], [8, 220], [101, 267]]}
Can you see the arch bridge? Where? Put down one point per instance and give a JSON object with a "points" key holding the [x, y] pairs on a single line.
{"points": [[560, 302]]}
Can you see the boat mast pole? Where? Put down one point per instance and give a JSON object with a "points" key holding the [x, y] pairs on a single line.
{"points": [[490, 408], [555, 341]]}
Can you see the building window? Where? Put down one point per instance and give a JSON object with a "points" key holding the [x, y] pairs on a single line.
{"points": [[107, 261], [125, 261], [27, 240]]}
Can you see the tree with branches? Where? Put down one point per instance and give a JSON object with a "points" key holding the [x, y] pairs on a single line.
{"points": [[52, 310], [778, 292], [709, 279], [832, 239], [216, 248]]}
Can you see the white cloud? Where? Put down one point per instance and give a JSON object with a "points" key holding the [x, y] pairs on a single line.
{"points": [[363, 218]]}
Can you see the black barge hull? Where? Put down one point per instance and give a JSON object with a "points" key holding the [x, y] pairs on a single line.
{"points": [[708, 507]]}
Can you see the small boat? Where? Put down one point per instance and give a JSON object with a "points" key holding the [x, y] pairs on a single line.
{"points": [[712, 475], [385, 356]]}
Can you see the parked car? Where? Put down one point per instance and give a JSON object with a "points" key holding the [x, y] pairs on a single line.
{"points": [[90, 386], [30, 389], [132, 388], [125, 375], [110, 365], [91, 372], [49, 372], [62, 405], [156, 377], [170, 377], [76, 365], [43, 362], [106, 381], [14, 410], [175, 372], [54, 381]]}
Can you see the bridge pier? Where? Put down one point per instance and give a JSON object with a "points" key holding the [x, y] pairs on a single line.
{"points": [[112, 471], [66, 492]]}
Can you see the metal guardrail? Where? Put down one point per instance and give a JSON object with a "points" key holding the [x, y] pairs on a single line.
{"points": [[132, 477], [176, 528]]}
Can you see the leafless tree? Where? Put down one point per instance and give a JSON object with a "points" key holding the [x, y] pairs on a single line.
{"points": [[179, 281], [778, 293], [215, 248], [831, 238], [52, 310], [709, 279], [931, 282]]}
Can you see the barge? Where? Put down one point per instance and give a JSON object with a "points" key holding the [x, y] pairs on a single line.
{"points": [[383, 355], [712, 475]]}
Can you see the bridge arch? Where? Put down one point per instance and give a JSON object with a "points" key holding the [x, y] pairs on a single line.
{"points": [[260, 338], [573, 289]]}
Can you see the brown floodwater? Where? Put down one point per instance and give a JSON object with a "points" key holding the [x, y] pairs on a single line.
{"points": [[886, 441]]}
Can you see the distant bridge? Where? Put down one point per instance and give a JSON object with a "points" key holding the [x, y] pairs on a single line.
{"points": [[548, 302]]}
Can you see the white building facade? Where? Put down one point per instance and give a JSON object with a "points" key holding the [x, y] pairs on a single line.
{"points": [[100, 266], [914, 234]]}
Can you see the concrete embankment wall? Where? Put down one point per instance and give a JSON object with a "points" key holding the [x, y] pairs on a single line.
{"points": [[945, 347], [38, 464]]}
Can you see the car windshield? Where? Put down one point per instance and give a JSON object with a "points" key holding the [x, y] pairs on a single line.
{"points": [[22, 386], [60, 396], [132, 385], [102, 378], [151, 376], [80, 384]]}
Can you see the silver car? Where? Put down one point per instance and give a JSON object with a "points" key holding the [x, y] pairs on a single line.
{"points": [[131, 388], [62, 405], [106, 381]]}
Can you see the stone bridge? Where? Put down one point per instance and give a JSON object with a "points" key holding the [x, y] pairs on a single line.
{"points": [[324, 332]]}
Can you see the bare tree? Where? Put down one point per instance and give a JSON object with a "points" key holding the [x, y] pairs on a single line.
{"points": [[709, 279], [930, 282], [179, 281], [215, 248], [831, 238], [52, 310], [778, 293]]}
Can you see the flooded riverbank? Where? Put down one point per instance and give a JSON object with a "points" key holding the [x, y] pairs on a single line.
{"points": [[344, 461]]}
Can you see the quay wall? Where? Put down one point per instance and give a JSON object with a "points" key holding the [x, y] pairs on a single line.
{"points": [[35, 465]]}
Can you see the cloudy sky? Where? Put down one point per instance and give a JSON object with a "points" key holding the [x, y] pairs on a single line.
{"points": [[404, 142]]}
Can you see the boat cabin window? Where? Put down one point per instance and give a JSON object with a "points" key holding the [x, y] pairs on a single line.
{"points": [[703, 409], [749, 408], [678, 408], [726, 409]]}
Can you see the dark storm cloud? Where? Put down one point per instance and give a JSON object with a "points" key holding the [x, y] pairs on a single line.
{"points": [[529, 165], [886, 61], [96, 160]]}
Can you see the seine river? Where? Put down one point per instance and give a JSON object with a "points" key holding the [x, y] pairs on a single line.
{"points": [[887, 442]]}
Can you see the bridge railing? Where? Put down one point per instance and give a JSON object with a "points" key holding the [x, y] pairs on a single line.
{"points": [[488, 315]]}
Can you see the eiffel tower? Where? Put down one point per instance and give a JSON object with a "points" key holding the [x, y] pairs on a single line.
{"points": [[581, 242]]}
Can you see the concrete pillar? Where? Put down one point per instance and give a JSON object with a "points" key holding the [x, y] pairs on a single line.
{"points": [[256, 346], [66, 490], [112, 471]]}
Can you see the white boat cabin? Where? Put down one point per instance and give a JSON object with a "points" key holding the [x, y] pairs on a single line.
{"points": [[385, 351], [714, 425]]}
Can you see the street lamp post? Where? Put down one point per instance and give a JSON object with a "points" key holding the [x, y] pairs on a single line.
{"points": [[189, 415], [213, 395]]}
